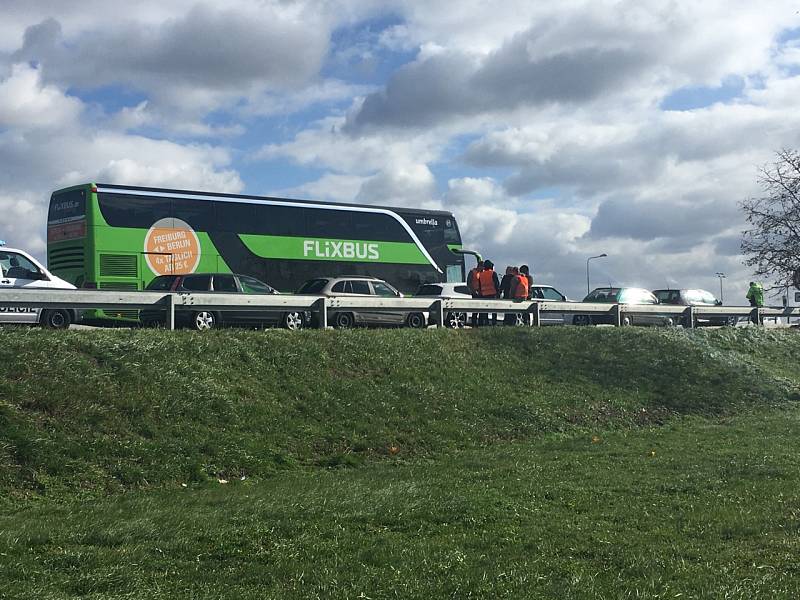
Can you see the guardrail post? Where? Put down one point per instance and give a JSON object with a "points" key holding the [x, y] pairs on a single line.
{"points": [[321, 308], [534, 310], [171, 312], [437, 311], [616, 315], [689, 317]]}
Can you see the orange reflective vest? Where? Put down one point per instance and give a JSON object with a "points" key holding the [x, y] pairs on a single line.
{"points": [[521, 288], [486, 282]]}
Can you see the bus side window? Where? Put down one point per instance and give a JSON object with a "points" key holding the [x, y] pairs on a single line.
{"points": [[199, 214], [235, 217], [329, 224]]}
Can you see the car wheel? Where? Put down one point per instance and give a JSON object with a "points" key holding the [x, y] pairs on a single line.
{"points": [[731, 321], [55, 319], [580, 320], [626, 321], [344, 320], [293, 321], [204, 320], [455, 320], [416, 321], [520, 320]]}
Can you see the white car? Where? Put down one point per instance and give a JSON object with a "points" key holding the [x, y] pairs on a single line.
{"points": [[20, 270], [455, 320], [548, 292]]}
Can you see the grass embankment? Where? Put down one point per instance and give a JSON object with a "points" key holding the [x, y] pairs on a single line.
{"points": [[557, 462]]}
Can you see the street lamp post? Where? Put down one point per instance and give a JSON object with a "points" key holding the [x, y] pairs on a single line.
{"points": [[603, 255], [721, 277]]}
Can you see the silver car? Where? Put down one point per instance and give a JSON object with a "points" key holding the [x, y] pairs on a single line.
{"points": [[358, 285]]}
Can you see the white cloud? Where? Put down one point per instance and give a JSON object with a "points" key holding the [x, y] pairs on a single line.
{"points": [[25, 103], [324, 144], [578, 54], [45, 144]]}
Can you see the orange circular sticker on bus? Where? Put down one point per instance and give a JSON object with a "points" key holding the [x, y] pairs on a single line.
{"points": [[171, 247]]}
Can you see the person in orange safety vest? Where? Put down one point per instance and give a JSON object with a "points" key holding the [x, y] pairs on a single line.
{"points": [[520, 286]]}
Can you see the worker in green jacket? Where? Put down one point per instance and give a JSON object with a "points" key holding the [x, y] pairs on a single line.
{"points": [[755, 294], [756, 297]]}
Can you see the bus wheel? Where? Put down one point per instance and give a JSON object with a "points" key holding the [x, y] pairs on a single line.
{"points": [[55, 319], [344, 320], [204, 320], [456, 320], [293, 321], [416, 320], [581, 320]]}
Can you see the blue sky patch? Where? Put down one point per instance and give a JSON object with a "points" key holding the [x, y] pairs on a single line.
{"points": [[692, 97]]}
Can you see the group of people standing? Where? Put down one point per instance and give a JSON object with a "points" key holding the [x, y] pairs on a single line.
{"points": [[482, 280]]}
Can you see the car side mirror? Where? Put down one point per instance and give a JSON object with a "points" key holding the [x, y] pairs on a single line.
{"points": [[719, 303]]}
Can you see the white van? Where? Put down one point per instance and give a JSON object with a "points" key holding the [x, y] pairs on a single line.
{"points": [[18, 269]]}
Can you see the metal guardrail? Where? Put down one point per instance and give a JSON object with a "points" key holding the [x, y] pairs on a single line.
{"points": [[321, 306]]}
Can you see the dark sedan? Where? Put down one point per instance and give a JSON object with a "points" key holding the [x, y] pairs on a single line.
{"points": [[228, 283]]}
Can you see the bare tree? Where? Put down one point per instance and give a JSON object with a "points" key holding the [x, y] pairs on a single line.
{"points": [[771, 244]]}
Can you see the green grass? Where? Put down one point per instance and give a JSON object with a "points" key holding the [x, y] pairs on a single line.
{"points": [[579, 463]]}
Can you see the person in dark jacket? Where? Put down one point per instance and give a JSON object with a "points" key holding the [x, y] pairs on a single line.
{"points": [[473, 280], [474, 285], [505, 292], [505, 283]]}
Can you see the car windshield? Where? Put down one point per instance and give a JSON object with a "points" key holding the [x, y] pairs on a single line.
{"points": [[429, 290], [668, 296], [548, 293], [384, 289], [312, 286], [162, 282], [636, 296], [700, 297], [602, 295], [251, 285]]}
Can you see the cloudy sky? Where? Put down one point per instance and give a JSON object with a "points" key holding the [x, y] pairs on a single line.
{"points": [[553, 130]]}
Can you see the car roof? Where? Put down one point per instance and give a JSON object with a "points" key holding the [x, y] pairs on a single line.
{"points": [[694, 289], [350, 277], [204, 273]]}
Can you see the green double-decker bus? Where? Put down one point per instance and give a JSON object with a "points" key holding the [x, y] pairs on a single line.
{"points": [[117, 237]]}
